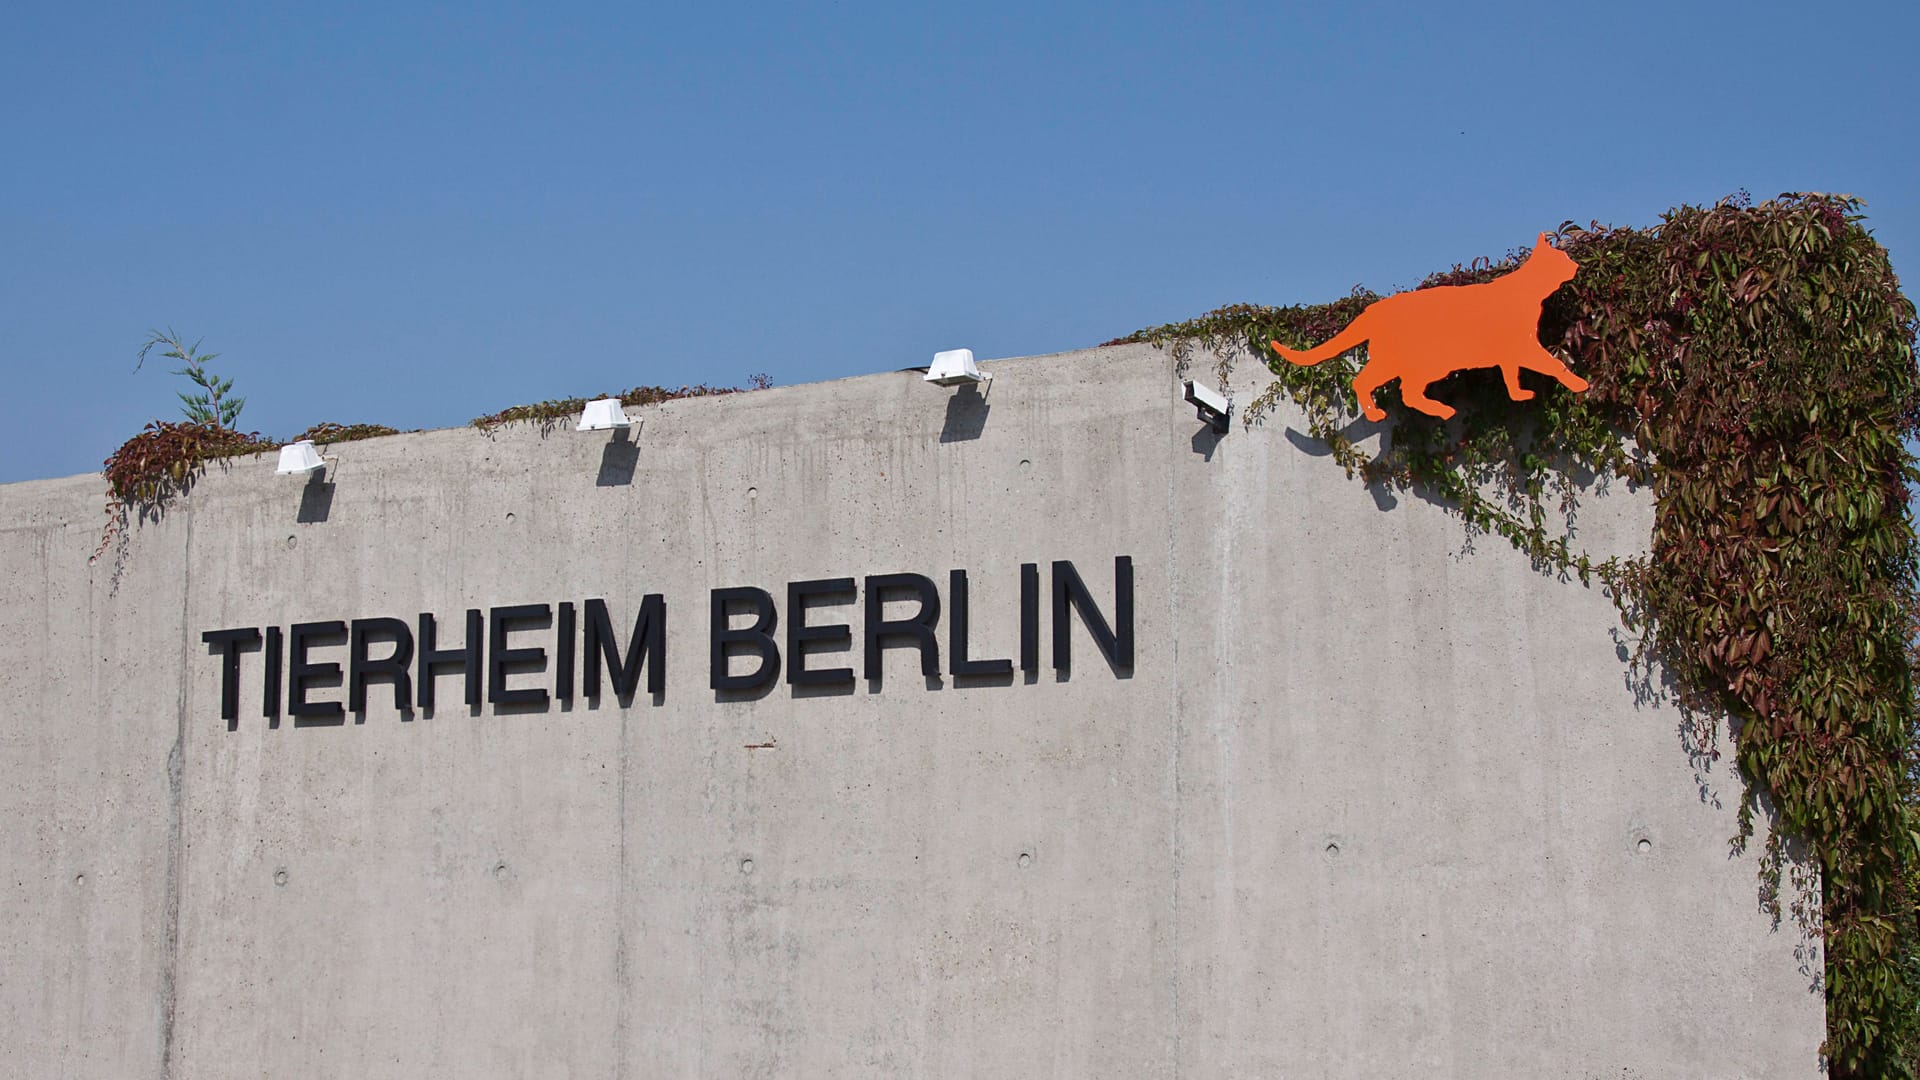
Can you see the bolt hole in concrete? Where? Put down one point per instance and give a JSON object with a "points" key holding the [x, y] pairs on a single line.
{"points": [[499, 870], [509, 517], [746, 866], [1333, 850], [1643, 846], [1025, 860], [79, 879], [753, 493], [280, 876], [292, 542], [1025, 464]]}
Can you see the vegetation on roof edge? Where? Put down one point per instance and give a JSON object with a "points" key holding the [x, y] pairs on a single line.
{"points": [[552, 412], [151, 469], [1755, 365]]}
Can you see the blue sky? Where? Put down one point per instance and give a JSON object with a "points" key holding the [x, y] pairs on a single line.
{"points": [[413, 215]]}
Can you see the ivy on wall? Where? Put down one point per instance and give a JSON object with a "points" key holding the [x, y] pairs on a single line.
{"points": [[1754, 364]]}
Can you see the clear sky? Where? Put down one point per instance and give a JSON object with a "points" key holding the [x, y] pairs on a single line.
{"points": [[416, 214]]}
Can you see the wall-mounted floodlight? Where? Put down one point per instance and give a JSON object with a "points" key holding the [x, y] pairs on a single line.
{"points": [[298, 459], [1210, 406], [601, 415], [955, 367]]}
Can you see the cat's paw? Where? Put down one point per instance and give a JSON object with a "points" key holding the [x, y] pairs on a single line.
{"points": [[1374, 413], [1520, 395]]}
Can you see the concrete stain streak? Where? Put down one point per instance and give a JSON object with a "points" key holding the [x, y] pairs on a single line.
{"points": [[1171, 570], [622, 976], [176, 814]]}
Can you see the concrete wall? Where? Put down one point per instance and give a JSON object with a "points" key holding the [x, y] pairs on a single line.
{"points": [[1371, 802]]}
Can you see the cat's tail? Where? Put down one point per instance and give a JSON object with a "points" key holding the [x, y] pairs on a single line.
{"points": [[1346, 339]]}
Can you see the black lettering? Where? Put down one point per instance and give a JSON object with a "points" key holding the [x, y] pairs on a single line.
{"points": [[393, 667], [227, 644], [1029, 617], [758, 638], [502, 621], [917, 632], [563, 643], [1115, 643], [647, 649], [467, 657], [957, 627], [838, 636], [303, 675], [270, 692]]}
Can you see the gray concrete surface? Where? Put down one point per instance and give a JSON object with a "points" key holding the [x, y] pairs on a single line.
{"points": [[1371, 803]]}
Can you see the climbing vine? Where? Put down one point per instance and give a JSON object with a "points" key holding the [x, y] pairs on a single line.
{"points": [[1753, 364], [150, 470]]}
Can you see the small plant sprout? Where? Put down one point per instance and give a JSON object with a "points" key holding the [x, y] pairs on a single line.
{"points": [[215, 404]]}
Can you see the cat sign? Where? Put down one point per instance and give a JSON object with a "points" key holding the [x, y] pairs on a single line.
{"points": [[1423, 336]]}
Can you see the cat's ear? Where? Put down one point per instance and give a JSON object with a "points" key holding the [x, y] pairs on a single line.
{"points": [[1542, 242]]}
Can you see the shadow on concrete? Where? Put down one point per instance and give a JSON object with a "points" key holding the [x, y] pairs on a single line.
{"points": [[842, 688], [934, 682], [752, 693], [1063, 674], [1205, 441], [966, 415], [1383, 497], [1357, 429], [968, 682], [620, 457], [316, 499], [624, 701]]}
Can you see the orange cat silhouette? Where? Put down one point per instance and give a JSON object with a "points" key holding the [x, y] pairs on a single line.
{"points": [[1423, 336]]}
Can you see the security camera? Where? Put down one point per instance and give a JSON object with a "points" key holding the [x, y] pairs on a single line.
{"points": [[1209, 405]]}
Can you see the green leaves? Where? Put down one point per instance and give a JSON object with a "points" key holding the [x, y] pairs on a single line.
{"points": [[1755, 364], [550, 413], [215, 404]]}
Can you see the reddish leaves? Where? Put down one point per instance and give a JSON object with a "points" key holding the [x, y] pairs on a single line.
{"points": [[1756, 363]]}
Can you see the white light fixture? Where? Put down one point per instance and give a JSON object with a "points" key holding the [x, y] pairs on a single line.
{"points": [[1210, 405], [298, 459], [601, 415], [955, 367]]}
